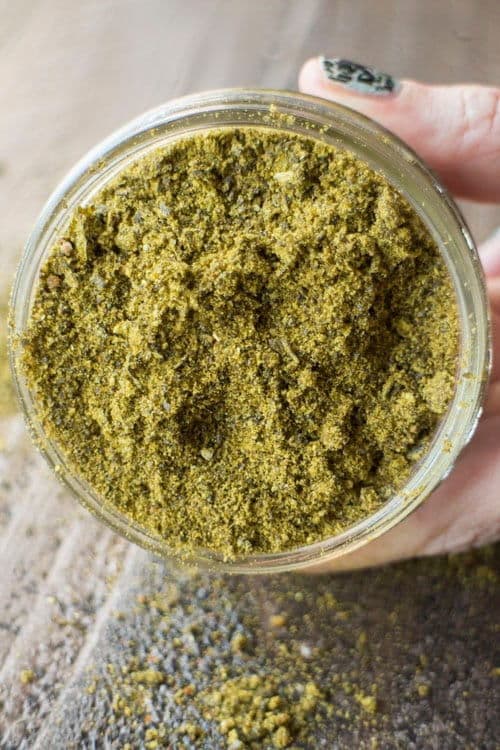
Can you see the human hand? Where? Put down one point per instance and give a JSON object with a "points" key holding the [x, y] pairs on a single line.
{"points": [[456, 130]]}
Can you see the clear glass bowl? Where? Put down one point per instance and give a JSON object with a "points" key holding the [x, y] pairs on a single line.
{"points": [[343, 128]]}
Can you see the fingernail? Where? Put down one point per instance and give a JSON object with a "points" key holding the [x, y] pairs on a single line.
{"points": [[359, 78]]}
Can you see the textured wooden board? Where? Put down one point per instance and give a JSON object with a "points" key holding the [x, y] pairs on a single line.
{"points": [[71, 72]]}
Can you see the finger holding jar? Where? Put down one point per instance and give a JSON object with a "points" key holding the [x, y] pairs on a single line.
{"points": [[456, 129]]}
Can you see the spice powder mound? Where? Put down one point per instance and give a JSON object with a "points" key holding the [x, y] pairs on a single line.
{"points": [[244, 342]]}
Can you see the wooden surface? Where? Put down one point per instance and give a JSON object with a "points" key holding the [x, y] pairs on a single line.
{"points": [[70, 73]]}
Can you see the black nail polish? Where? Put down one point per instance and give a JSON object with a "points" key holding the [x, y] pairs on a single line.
{"points": [[359, 78]]}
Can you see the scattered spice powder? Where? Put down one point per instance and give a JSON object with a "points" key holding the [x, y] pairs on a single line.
{"points": [[26, 676], [245, 342], [411, 618], [206, 694], [250, 712]]}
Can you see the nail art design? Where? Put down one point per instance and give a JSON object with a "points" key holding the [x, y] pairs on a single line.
{"points": [[357, 77]]}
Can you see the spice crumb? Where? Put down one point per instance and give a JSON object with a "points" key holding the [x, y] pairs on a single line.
{"points": [[53, 282], [26, 676], [277, 621], [423, 690]]}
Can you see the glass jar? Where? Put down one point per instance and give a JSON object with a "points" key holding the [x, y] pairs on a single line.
{"points": [[387, 155]]}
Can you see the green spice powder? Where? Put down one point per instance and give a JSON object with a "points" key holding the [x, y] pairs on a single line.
{"points": [[245, 342]]}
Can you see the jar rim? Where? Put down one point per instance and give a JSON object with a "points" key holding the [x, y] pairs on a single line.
{"points": [[384, 152]]}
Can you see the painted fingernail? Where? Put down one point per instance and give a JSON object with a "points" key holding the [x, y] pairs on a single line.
{"points": [[359, 78]]}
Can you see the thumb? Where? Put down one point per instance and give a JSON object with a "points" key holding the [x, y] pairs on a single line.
{"points": [[456, 129]]}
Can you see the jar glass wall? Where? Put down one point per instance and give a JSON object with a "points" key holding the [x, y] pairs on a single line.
{"points": [[343, 128]]}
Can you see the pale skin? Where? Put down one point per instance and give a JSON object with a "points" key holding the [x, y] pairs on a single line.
{"points": [[456, 129]]}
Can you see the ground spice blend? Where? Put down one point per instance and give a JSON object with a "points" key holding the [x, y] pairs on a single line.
{"points": [[245, 342]]}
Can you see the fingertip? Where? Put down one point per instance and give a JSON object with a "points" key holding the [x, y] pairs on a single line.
{"points": [[310, 77], [338, 78]]}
